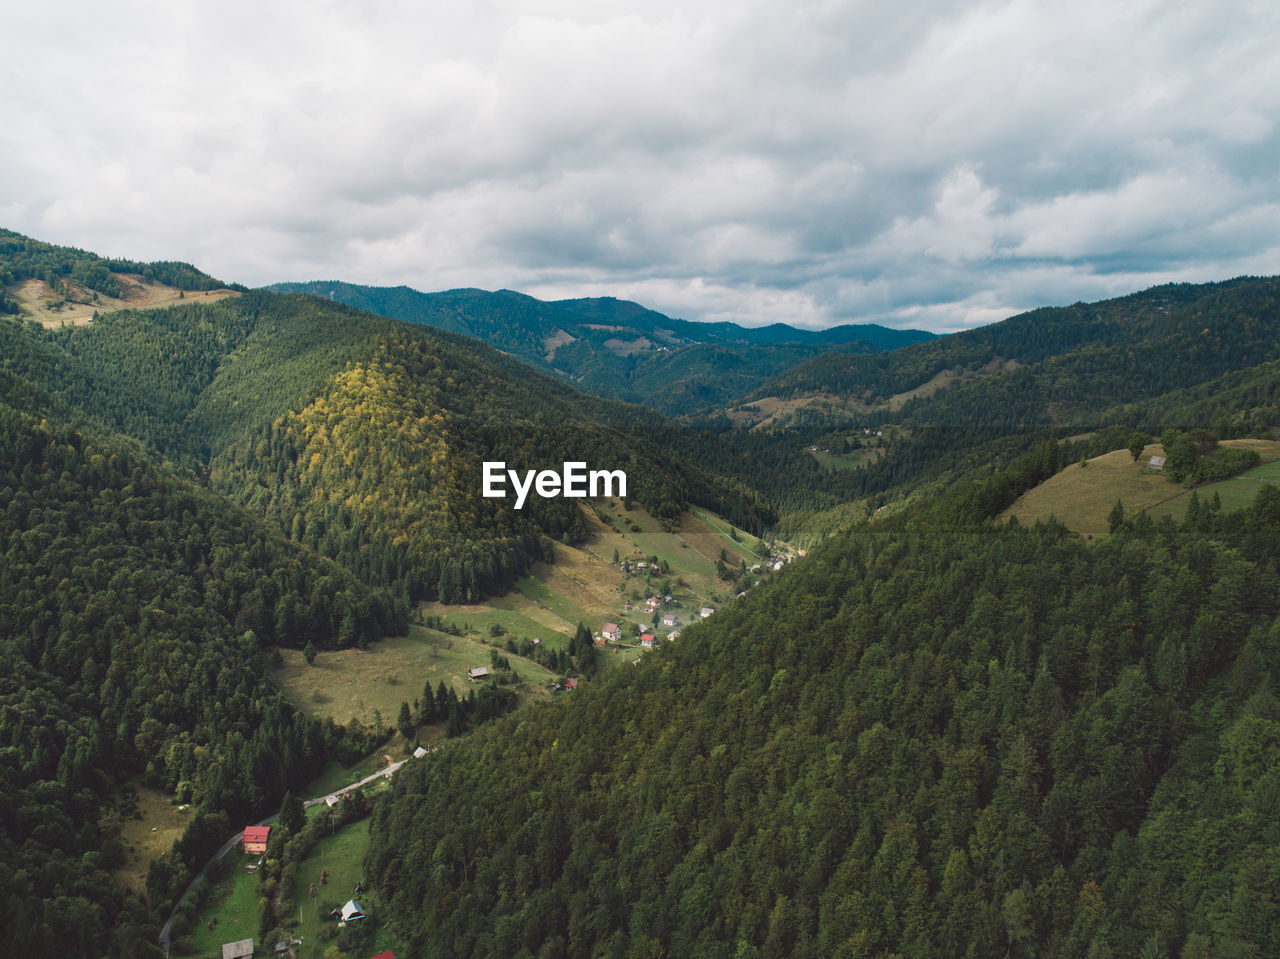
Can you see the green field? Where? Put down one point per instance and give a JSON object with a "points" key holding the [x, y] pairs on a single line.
{"points": [[234, 901], [234, 910], [341, 858], [1082, 497], [582, 586], [364, 683], [1235, 493]]}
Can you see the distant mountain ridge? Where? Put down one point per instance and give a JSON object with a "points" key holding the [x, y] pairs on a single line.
{"points": [[616, 348]]}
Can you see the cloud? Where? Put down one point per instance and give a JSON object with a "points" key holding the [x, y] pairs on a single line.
{"points": [[933, 164]]}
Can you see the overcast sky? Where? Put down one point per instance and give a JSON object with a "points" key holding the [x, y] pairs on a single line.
{"points": [[918, 163]]}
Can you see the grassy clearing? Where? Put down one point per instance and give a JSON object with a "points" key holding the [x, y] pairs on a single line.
{"points": [[148, 829], [341, 858], [358, 684], [1082, 497], [233, 911], [847, 461], [50, 308], [585, 586], [936, 384], [1237, 492]]}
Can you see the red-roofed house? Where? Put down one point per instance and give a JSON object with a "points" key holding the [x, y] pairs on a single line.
{"points": [[647, 640], [255, 838], [385, 955]]}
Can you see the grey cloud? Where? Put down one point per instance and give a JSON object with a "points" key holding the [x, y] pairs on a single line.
{"points": [[920, 164]]}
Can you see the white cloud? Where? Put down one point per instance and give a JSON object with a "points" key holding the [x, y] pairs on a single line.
{"points": [[928, 163]]}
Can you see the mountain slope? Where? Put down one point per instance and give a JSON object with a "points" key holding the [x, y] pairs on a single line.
{"points": [[364, 437], [132, 608], [615, 348], [922, 740]]}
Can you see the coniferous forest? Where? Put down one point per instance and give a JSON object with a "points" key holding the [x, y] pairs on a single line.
{"points": [[938, 734]]}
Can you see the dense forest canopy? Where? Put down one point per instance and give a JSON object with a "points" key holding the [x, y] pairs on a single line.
{"points": [[928, 739], [133, 609]]}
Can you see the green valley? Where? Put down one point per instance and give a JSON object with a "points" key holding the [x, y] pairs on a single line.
{"points": [[867, 661]]}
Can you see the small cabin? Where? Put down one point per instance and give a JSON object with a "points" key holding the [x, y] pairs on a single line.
{"points": [[478, 674]]}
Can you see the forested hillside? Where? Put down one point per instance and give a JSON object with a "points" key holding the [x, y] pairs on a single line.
{"points": [[133, 610], [1066, 361], [931, 738], [615, 348]]}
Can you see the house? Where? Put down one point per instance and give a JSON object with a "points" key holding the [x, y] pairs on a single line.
{"points": [[570, 683], [238, 950], [478, 674], [653, 603], [385, 955], [352, 911], [671, 619], [333, 800], [610, 631], [255, 839], [705, 611], [1156, 463], [419, 752], [673, 635], [646, 640]]}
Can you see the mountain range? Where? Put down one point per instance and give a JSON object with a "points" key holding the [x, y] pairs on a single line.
{"points": [[938, 733], [616, 348]]}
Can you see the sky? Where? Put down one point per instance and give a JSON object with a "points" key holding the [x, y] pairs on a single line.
{"points": [[936, 165]]}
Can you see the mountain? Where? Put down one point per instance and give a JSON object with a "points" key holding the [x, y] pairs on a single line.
{"points": [[133, 608], [615, 348], [929, 738], [935, 734]]}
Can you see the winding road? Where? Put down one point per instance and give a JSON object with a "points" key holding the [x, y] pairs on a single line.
{"points": [[234, 841]]}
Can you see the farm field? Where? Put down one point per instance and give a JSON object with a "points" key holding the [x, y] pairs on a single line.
{"points": [[1081, 498], [232, 909], [1234, 493], [365, 684], [341, 858]]}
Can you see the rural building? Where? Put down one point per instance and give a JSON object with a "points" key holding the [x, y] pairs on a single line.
{"points": [[671, 619], [419, 752], [673, 635], [610, 631], [1156, 463], [332, 801], [570, 683], [705, 611], [478, 674], [647, 640], [385, 955], [255, 841], [352, 911], [238, 950], [653, 602]]}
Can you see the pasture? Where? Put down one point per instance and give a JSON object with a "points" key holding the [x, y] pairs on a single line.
{"points": [[366, 684]]}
